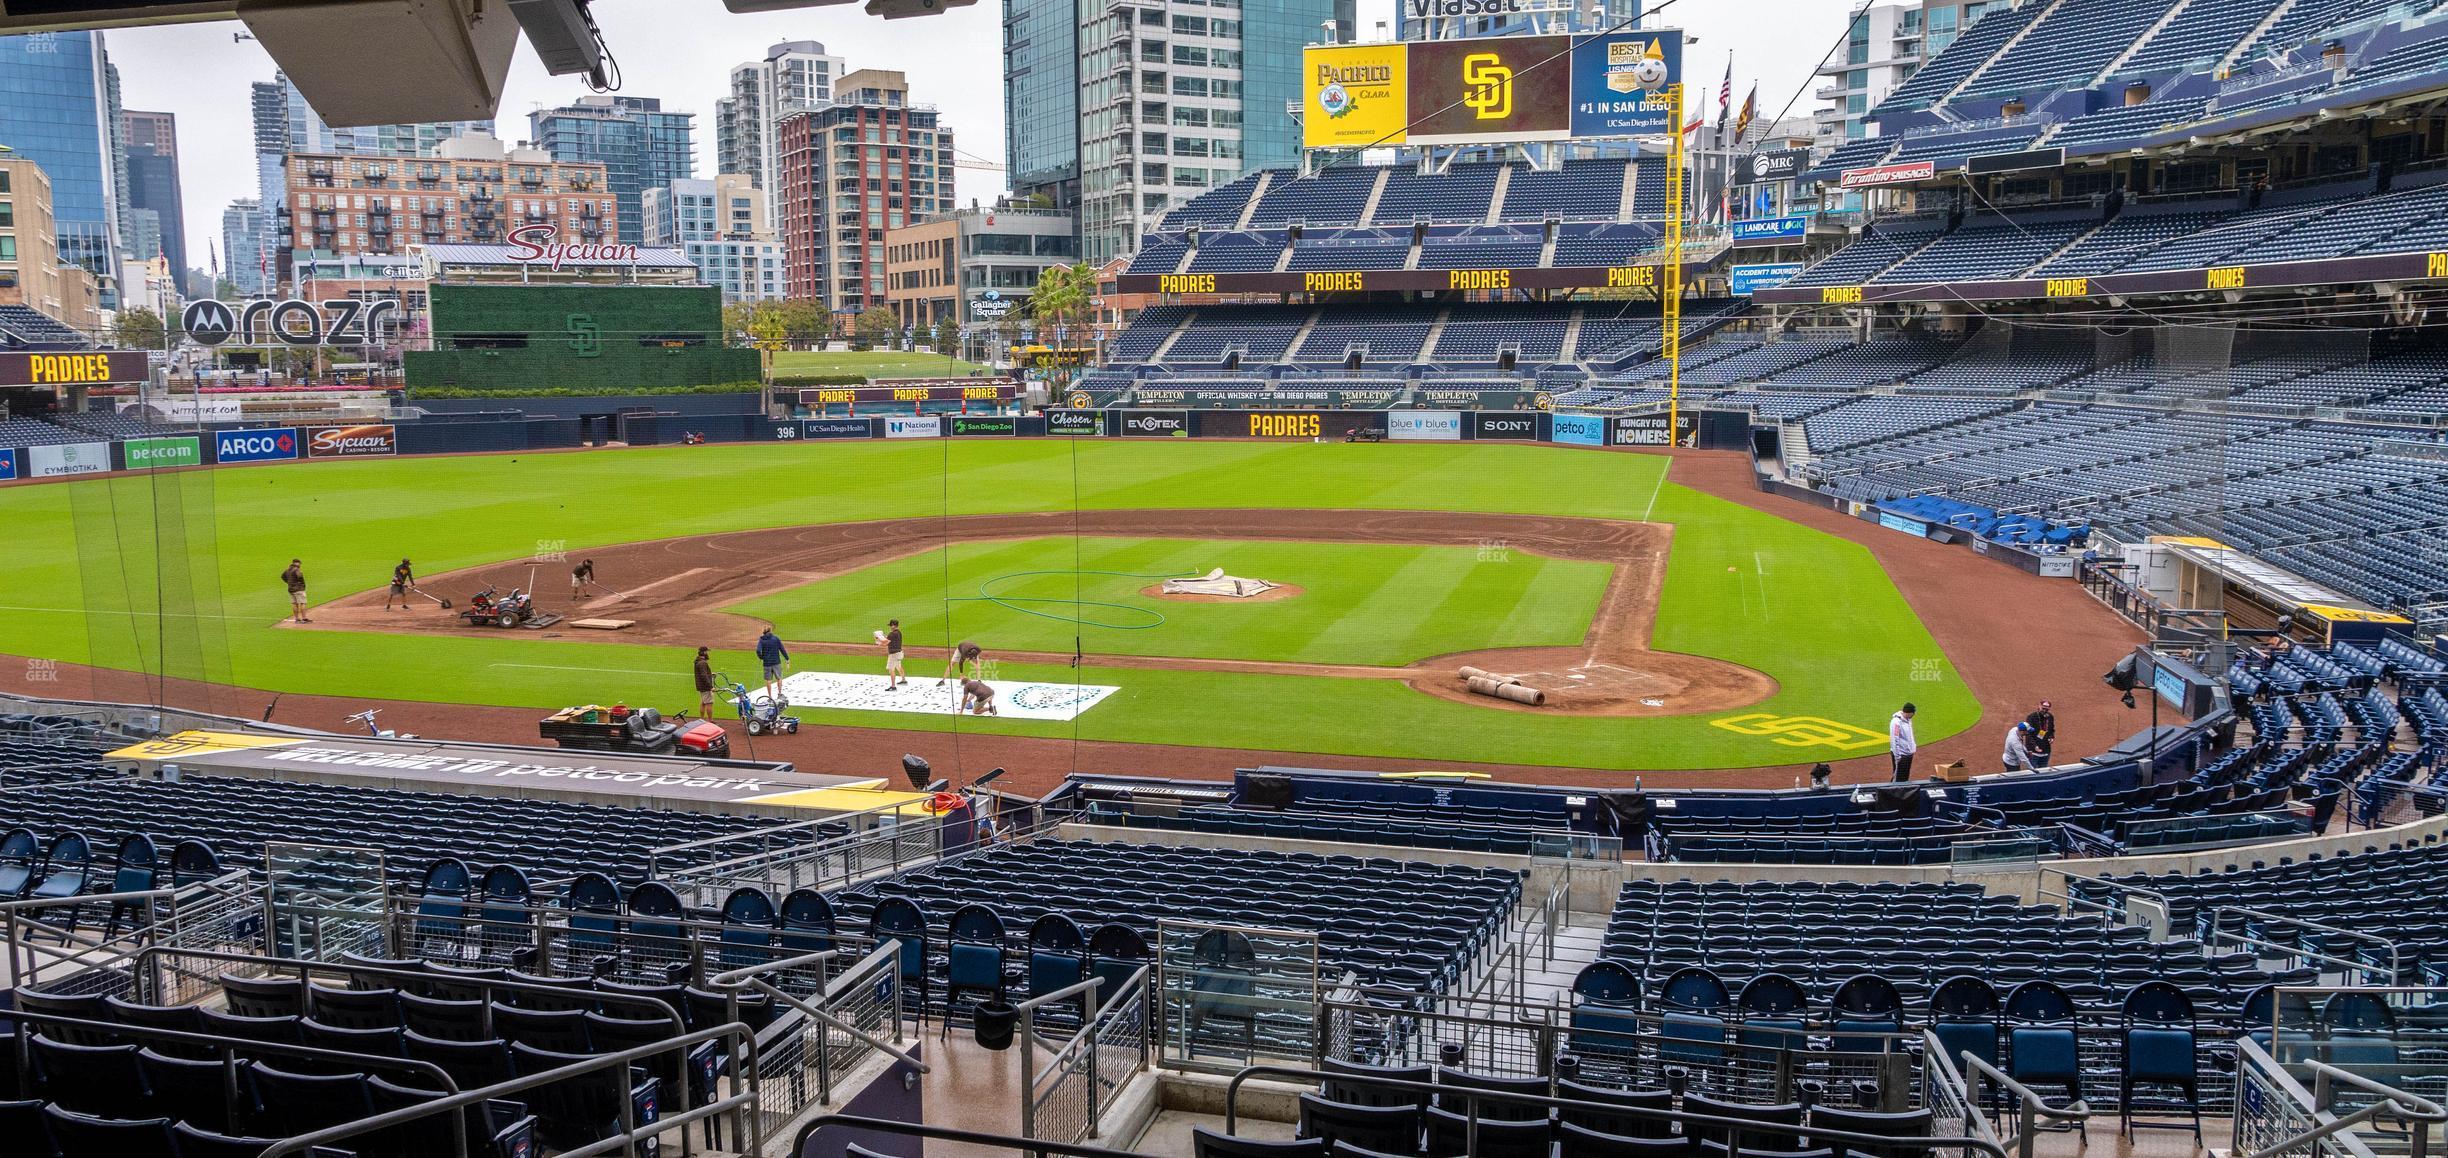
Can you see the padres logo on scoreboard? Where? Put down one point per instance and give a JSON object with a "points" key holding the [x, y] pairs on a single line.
{"points": [[1801, 731]]}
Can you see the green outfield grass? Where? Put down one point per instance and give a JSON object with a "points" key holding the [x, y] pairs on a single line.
{"points": [[1359, 603], [871, 363], [83, 582]]}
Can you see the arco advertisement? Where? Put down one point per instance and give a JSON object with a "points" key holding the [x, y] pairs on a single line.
{"points": [[275, 444]]}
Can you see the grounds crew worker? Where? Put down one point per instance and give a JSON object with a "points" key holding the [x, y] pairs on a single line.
{"points": [[773, 655], [977, 698], [893, 678], [295, 579], [2019, 741], [1900, 743], [705, 685], [403, 577], [580, 576], [964, 654]]}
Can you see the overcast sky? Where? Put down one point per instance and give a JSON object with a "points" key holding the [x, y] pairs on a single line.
{"points": [[683, 50]]}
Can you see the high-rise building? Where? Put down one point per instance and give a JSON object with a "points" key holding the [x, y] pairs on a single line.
{"points": [[1154, 105], [31, 273], [153, 182], [868, 162], [242, 247], [1432, 20], [471, 190], [720, 224], [1885, 44], [973, 264], [795, 76], [60, 110], [639, 145], [285, 123]]}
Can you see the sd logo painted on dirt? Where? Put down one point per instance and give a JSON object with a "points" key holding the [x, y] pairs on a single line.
{"points": [[1802, 731]]}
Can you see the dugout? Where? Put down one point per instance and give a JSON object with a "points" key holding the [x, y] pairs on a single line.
{"points": [[2202, 574]]}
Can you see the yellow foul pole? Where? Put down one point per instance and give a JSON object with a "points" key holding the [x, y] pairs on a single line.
{"points": [[1670, 278]]}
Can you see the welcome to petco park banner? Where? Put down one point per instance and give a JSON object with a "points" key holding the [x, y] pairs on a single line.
{"points": [[1014, 699], [1485, 89]]}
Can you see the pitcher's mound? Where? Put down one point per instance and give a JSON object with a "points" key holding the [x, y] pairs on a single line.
{"points": [[1273, 592]]}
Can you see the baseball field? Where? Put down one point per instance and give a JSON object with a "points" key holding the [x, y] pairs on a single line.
{"points": [[1674, 629]]}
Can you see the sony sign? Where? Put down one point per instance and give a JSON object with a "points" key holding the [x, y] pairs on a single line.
{"points": [[536, 245], [289, 321]]}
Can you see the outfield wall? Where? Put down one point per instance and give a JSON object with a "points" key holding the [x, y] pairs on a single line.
{"points": [[592, 421]]}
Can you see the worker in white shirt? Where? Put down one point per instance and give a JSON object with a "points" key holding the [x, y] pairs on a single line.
{"points": [[1900, 742], [2019, 741]]}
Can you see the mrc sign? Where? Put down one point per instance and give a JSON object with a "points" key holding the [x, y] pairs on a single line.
{"points": [[289, 321]]}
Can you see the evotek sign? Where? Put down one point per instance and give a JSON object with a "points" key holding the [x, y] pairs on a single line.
{"points": [[535, 245], [271, 445], [85, 368], [289, 321], [1161, 423]]}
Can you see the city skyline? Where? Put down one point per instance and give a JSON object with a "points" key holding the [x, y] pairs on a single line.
{"points": [[954, 61]]}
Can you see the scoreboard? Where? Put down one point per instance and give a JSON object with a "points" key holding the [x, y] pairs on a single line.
{"points": [[76, 368]]}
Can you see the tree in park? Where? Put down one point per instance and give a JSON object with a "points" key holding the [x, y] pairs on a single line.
{"points": [[140, 329]]}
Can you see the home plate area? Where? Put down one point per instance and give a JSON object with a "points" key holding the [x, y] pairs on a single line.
{"points": [[1014, 699]]}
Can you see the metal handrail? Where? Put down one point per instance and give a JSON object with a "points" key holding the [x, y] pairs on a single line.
{"points": [[1939, 1069], [2166, 907], [2395, 965], [2410, 1108], [305, 968], [1472, 1095], [628, 1123], [120, 1029], [1086, 991], [948, 1134], [747, 978], [11, 921], [2029, 1104]]}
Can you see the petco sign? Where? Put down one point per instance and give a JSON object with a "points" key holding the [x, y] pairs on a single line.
{"points": [[1424, 425], [351, 441], [271, 445], [290, 321], [536, 245]]}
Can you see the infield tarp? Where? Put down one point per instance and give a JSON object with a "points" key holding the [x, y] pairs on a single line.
{"points": [[1014, 699]]}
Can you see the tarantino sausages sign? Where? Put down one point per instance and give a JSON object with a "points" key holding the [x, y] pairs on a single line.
{"points": [[352, 441]]}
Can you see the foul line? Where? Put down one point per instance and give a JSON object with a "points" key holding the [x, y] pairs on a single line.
{"points": [[1653, 493]]}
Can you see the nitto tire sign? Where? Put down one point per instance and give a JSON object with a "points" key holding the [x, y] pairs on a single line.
{"points": [[271, 445], [1156, 423], [1074, 422], [352, 441], [1497, 427], [71, 459]]}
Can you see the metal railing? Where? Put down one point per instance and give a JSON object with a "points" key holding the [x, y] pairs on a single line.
{"points": [[804, 1052], [2215, 936], [1947, 1097], [2030, 1111], [1067, 1100], [2135, 906], [221, 908], [1471, 1099], [825, 864], [2276, 1115], [1264, 1004]]}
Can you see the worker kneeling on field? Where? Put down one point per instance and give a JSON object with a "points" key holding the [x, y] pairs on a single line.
{"points": [[977, 698]]}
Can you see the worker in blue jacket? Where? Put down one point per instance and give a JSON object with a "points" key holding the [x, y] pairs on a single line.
{"points": [[773, 655]]}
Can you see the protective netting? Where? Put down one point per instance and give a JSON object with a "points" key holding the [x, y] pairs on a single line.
{"points": [[148, 570]]}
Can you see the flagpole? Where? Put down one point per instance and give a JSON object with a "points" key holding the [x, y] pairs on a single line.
{"points": [[1670, 279]]}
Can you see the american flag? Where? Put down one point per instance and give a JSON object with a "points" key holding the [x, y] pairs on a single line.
{"points": [[1725, 92]]}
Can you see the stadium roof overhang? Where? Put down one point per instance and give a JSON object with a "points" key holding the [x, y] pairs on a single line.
{"points": [[2272, 584], [2398, 269]]}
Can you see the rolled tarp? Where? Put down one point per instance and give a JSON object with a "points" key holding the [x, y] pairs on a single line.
{"points": [[1514, 692], [1480, 673]]}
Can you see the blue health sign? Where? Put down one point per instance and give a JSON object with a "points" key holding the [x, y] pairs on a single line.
{"points": [[8, 466], [266, 445], [1619, 83], [1771, 228], [1577, 429], [1744, 280]]}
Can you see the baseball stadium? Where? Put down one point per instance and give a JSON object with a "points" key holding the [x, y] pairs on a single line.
{"points": [[1548, 629]]}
